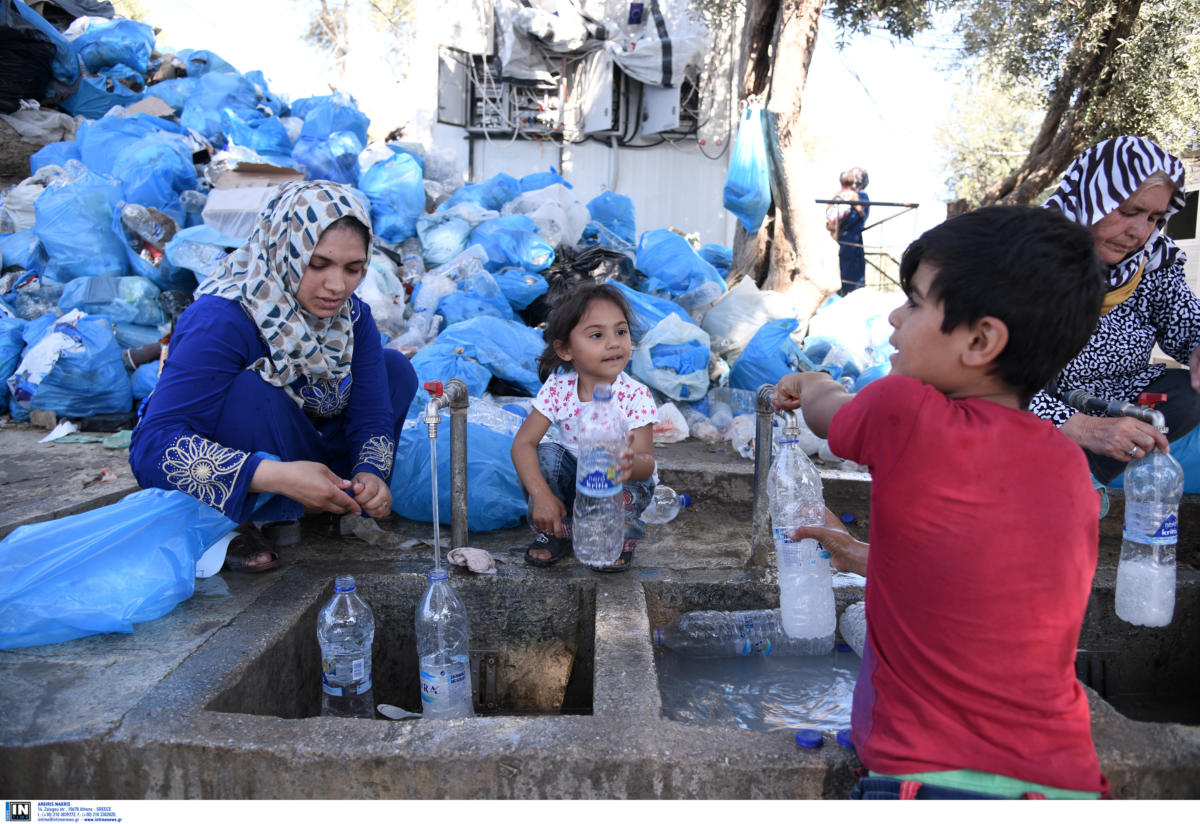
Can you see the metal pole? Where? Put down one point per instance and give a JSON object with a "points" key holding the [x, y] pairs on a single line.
{"points": [[760, 539], [456, 390]]}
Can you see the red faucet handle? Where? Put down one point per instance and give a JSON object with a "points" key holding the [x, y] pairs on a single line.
{"points": [[1151, 398], [434, 388]]}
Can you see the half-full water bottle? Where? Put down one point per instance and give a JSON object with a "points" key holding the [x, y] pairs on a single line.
{"points": [[598, 520], [713, 634], [665, 505], [1146, 573], [805, 579], [345, 630], [443, 651]]}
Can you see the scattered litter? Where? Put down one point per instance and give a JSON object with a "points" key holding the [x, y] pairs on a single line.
{"points": [[63, 428], [476, 560]]}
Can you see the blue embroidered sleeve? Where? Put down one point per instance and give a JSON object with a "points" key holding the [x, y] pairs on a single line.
{"points": [[369, 415], [171, 446]]}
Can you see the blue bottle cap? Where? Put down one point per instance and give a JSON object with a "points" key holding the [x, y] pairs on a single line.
{"points": [[685, 500], [809, 739], [438, 574], [842, 646], [843, 738], [658, 636], [847, 517]]}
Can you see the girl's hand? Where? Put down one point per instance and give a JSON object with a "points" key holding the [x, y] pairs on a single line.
{"points": [[548, 515], [625, 467], [372, 494]]}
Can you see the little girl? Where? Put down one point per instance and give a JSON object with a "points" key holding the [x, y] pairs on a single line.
{"points": [[587, 342]]}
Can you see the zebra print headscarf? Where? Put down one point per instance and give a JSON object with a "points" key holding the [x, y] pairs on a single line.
{"points": [[264, 275], [1103, 177]]}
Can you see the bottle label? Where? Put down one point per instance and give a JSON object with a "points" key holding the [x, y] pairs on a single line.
{"points": [[1151, 524], [599, 483], [442, 684], [360, 677]]}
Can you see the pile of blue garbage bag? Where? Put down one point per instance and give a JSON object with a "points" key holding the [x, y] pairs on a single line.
{"points": [[102, 246]]}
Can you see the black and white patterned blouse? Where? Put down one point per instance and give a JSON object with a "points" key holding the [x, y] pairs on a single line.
{"points": [[1115, 363]]}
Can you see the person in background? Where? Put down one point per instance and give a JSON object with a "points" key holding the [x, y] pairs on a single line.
{"points": [[845, 223], [277, 382], [984, 525], [1123, 190]]}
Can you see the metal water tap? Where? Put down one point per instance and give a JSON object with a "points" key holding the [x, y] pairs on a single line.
{"points": [[454, 395], [1143, 410], [437, 399]]}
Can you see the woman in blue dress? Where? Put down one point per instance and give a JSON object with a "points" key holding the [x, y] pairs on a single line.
{"points": [[277, 381]]}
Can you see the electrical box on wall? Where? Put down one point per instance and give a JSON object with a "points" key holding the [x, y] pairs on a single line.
{"points": [[452, 87]]}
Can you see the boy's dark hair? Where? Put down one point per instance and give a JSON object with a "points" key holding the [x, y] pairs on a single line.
{"points": [[565, 316], [1032, 268]]}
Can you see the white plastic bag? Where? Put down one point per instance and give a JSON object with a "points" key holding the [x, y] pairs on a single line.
{"points": [[671, 330], [558, 214], [383, 292], [670, 426], [741, 434], [734, 319]]}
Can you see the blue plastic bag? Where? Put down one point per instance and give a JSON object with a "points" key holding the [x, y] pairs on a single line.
{"points": [[267, 136], [748, 182], [457, 307], [22, 249], [96, 95], [443, 235], [397, 194], [507, 349], [12, 343], [125, 300], [512, 240], [521, 288], [116, 41], [494, 497], [202, 61], [131, 335], [671, 265], [324, 116], [109, 568], [673, 358], [74, 224], [65, 65], [154, 170], [491, 194], [769, 355], [445, 361], [144, 379], [174, 92], [334, 157], [71, 366], [647, 310], [164, 275], [540, 180], [54, 154], [102, 142], [614, 212], [718, 256], [216, 91]]}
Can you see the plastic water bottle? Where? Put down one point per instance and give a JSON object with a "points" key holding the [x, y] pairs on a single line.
{"points": [[598, 521], [193, 201], [665, 505], [1146, 572], [345, 630], [713, 634], [853, 626], [137, 219], [443, 651], [805, 579]]}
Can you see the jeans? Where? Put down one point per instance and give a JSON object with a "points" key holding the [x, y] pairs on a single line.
{"points": [[558, 468]]}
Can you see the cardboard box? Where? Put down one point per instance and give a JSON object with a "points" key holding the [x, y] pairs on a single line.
{"points": [[240, 193], [247, 175]]}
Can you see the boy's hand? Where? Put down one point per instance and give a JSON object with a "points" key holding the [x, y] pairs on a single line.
{"points": [[548, 515], [846, 553], [790, 388]]}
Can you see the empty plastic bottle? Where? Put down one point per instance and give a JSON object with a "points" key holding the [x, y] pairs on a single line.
{"points": [[193, 201], [137, 219], [1146, 572], [598, 520], [714, 634], [443, 651], [665, 505], [805, 579], [345, 630], [853, 626]]}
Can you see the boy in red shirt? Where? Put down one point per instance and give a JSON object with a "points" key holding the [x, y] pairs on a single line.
{"points": [[983, 517]]}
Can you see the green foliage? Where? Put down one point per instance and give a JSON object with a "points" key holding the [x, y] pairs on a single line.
{"points": [[901, 18], [131, 10]]}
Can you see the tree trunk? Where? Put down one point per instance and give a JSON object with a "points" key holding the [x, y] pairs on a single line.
{"points": [[1063, 134], [777, 47]]}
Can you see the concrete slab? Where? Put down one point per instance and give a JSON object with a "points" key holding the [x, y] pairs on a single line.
{"points": [[174, 711]]}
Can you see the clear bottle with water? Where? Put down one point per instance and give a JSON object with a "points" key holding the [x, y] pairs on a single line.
{"points": [[665, 505], [443, 650], [853, 626], [137, 219], [345, 631], [598, 520], [1146, 572], [805, 579], [715, 634]]}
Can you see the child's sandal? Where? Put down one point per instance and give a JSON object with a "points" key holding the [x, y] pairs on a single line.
{"points": [[557, 548], [624, 560]]}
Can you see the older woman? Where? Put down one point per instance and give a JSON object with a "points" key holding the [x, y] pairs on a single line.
{"points": [[1124, 189], [278, 357]]}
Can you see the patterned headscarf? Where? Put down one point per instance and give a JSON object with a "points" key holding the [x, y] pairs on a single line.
{"points": [[1103, 177], [264, 274]]}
